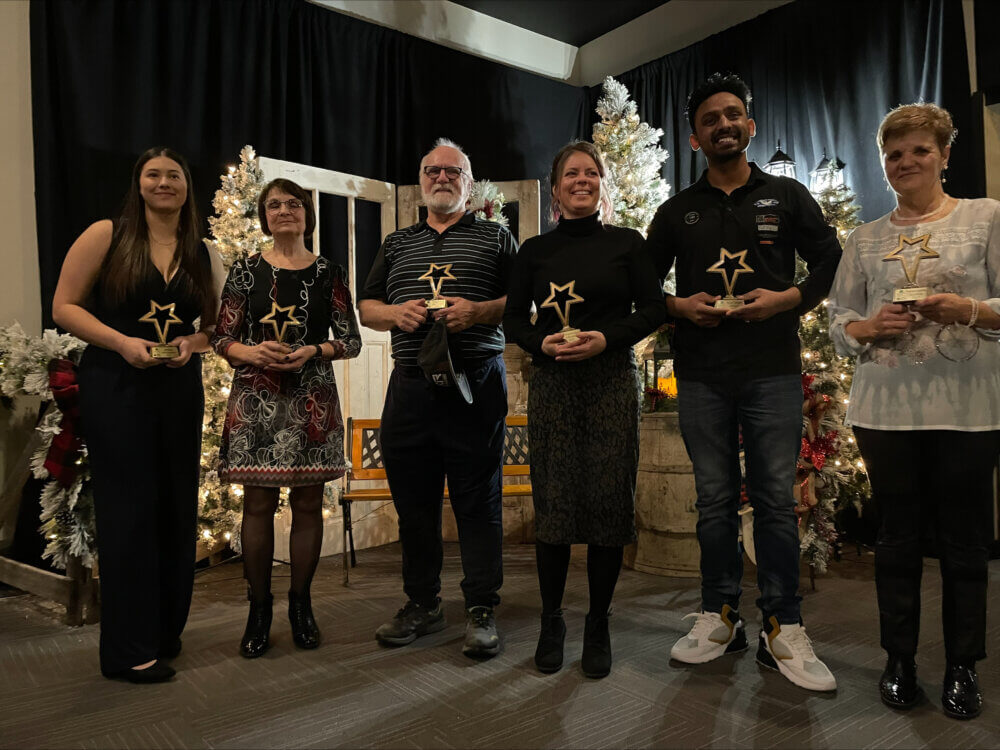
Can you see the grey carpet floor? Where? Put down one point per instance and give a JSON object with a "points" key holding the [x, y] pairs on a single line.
{"points": [[353, 693]]}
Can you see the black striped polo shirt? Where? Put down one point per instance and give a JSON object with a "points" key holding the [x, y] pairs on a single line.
{"points": [[480, 253]]}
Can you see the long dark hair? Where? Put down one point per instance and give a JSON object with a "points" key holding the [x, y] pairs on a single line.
{"points": [[126, 263]]}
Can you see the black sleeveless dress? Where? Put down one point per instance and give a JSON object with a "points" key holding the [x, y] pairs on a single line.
{"points": [[143, 434]]}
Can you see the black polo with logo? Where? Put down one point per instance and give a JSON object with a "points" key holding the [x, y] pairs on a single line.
{"points": [[772, 219], [479, 253]]}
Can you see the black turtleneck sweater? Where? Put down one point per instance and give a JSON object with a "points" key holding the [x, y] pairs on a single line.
{"points": [[611, 271]]}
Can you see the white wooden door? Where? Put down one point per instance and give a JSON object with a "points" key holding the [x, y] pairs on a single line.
{"points": [[362, 381]]}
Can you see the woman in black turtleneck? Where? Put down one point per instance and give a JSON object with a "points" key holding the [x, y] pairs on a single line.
{"points": [[583, 403]]}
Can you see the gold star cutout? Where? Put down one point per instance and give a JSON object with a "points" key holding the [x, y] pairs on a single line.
{"points": [[437, 274], [162, 322], [720, 267], [281, 327], [562, 307], [923, 251]]}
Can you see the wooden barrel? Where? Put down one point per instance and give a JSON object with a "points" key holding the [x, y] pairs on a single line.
{"points": [[665, 514]]}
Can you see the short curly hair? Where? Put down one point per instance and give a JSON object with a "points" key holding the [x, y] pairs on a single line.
{"points": [[917, 116]]}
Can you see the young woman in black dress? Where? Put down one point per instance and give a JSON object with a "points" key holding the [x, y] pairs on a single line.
{"points": [[283, 423], [123, 283], [583, 403]]}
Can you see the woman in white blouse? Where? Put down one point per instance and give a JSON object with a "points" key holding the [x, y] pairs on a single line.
{"points": [[917, 300]]}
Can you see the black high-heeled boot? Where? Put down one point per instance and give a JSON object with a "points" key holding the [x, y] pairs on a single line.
{"points": [[596, 661], [305, 632], [898, 687], [549, 653], [256, 637]]}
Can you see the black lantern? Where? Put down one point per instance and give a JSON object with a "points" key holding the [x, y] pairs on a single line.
{"points": [[781, 164], [829, 173]]}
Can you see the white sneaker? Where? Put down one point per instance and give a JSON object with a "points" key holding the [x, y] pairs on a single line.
{"points": [[711, 636], [788, 649]]}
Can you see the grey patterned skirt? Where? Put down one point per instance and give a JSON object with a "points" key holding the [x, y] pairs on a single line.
{"points": [[583, 429]]}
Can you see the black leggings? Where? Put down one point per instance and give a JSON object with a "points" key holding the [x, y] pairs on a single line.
{"points": [[603, 566], [257, 536], [939, 479]]}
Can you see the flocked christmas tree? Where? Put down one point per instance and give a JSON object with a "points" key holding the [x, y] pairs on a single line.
{"points": [[632, 154], [830, 474]]}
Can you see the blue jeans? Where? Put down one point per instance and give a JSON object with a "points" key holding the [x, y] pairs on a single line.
{"points": [[769, 412]]}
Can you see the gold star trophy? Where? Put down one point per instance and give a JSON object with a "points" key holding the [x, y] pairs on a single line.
{"points": [[561, 306], [910, 292], [162, 322], [730, 301], [436, 275], [280, 318]]}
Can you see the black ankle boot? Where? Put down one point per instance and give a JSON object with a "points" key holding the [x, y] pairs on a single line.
{"points": [[596, 661], [960, 697], [549, 653], [256, 636], [305, 633], [898, 686]]}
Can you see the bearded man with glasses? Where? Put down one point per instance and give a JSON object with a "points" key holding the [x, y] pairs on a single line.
{"points": [[446, 274]]}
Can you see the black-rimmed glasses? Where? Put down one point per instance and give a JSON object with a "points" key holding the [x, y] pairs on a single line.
{"points": [[452, 173]]}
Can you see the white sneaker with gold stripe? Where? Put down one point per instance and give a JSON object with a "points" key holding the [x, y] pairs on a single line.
{"points": [[788, 649]]}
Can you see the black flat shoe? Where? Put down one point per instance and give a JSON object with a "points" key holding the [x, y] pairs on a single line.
{"points": [[256, 637], [960, 696], [898, 687], [551, 638], [305, 632], [157, 672], [171, 650]]}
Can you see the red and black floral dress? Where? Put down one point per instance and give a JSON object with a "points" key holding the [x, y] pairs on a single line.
{"points": [[285, 429]]}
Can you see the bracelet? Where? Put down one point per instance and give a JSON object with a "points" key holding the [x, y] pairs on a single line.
{"points": [[975, 312], [319, 351]]}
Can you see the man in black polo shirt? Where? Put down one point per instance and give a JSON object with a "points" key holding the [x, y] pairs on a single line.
{"points": [[429, 432], [733, 235]]}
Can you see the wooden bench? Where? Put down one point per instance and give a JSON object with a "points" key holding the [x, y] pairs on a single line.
{"points": [[367, 465]]}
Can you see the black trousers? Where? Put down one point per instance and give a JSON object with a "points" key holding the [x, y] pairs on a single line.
{"points": [[940, 480], [143, 432], [428, 433]]}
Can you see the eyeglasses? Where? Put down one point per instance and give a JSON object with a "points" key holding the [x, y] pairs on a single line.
{"points": [[273, 206], [452, 173]]}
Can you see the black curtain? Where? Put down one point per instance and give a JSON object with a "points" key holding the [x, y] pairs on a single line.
{"points": [[299, 82], [823, 74]]}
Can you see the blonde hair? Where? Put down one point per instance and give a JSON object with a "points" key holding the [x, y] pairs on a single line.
{"points": [[604, 205], [917, 116]]}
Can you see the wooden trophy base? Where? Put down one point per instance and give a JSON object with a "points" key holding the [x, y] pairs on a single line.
{"points": [[910, 294], [729, 303], [165, 351]]}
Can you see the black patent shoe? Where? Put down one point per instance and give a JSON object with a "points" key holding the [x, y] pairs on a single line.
{"points": [[549, 653], [898, 687], [256, 637], [960, 696], [305, 632], [596, 661], [156, 672]]}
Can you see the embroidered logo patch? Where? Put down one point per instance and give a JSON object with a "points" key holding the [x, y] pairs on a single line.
{"points": [[767, 222], [692, 217], [766, 202]]}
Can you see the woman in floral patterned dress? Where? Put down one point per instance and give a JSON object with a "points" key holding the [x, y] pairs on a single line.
{"points": [[283, 422]]}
